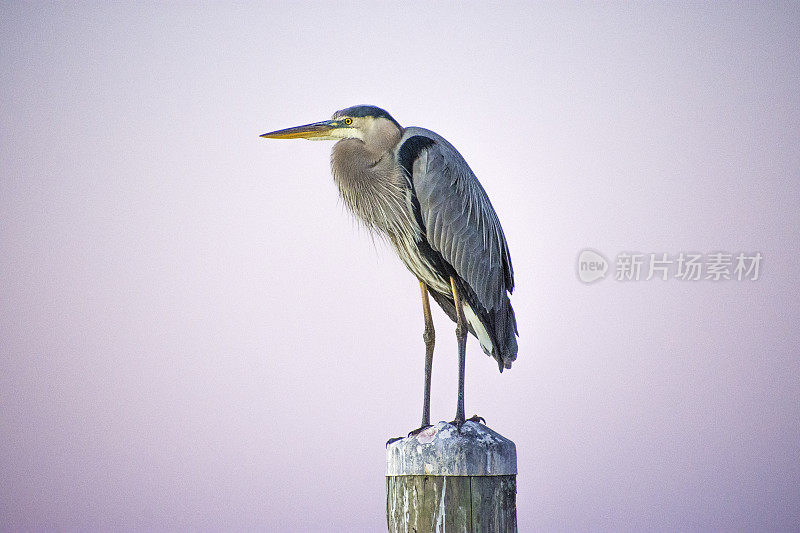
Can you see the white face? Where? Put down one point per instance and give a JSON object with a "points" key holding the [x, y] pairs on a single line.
{"points": [[378, 133], [349, 133], [355, 127]]}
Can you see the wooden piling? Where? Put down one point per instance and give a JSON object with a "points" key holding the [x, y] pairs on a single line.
{"points": [[445, 480]]}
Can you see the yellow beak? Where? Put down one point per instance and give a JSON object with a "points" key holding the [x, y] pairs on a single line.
{"points": [[317, 130]]}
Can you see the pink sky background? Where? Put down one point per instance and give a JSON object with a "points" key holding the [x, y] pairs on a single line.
{"points": [[194, 333]]}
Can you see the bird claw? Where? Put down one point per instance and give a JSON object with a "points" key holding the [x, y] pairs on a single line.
{"points": [[388, 442], [419, 430], [474, 418], [477, 419], [412, 433]]}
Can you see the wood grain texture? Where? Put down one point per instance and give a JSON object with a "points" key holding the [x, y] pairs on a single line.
{"points": [[479, 504], [443, 479]]}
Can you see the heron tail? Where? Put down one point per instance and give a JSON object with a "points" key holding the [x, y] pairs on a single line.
{"points": [[505, 335]]}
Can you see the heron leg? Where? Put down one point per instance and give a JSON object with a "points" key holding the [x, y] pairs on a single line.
{"points": [[461, 336], [429, 336]]}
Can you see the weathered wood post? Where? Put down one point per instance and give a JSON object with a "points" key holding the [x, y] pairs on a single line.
{"points": [[445, 480]]}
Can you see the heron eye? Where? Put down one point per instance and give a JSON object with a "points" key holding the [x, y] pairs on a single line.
{"points": [[348, 121]]}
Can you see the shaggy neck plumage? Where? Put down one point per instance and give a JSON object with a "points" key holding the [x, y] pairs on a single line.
{"points": [[372, 186]]}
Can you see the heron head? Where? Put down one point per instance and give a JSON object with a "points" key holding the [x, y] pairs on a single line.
{"points": [[368, 123]]}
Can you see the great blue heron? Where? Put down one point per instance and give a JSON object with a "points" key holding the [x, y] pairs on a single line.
{"points": [[412, 187]]}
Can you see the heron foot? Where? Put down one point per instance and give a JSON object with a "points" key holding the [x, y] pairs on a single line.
{"points": [[477, 419], [474, 418], [419, 430], [458, 422], [388, 442]]}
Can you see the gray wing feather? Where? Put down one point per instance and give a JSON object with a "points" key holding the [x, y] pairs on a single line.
{"points": [[460, 221]]}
